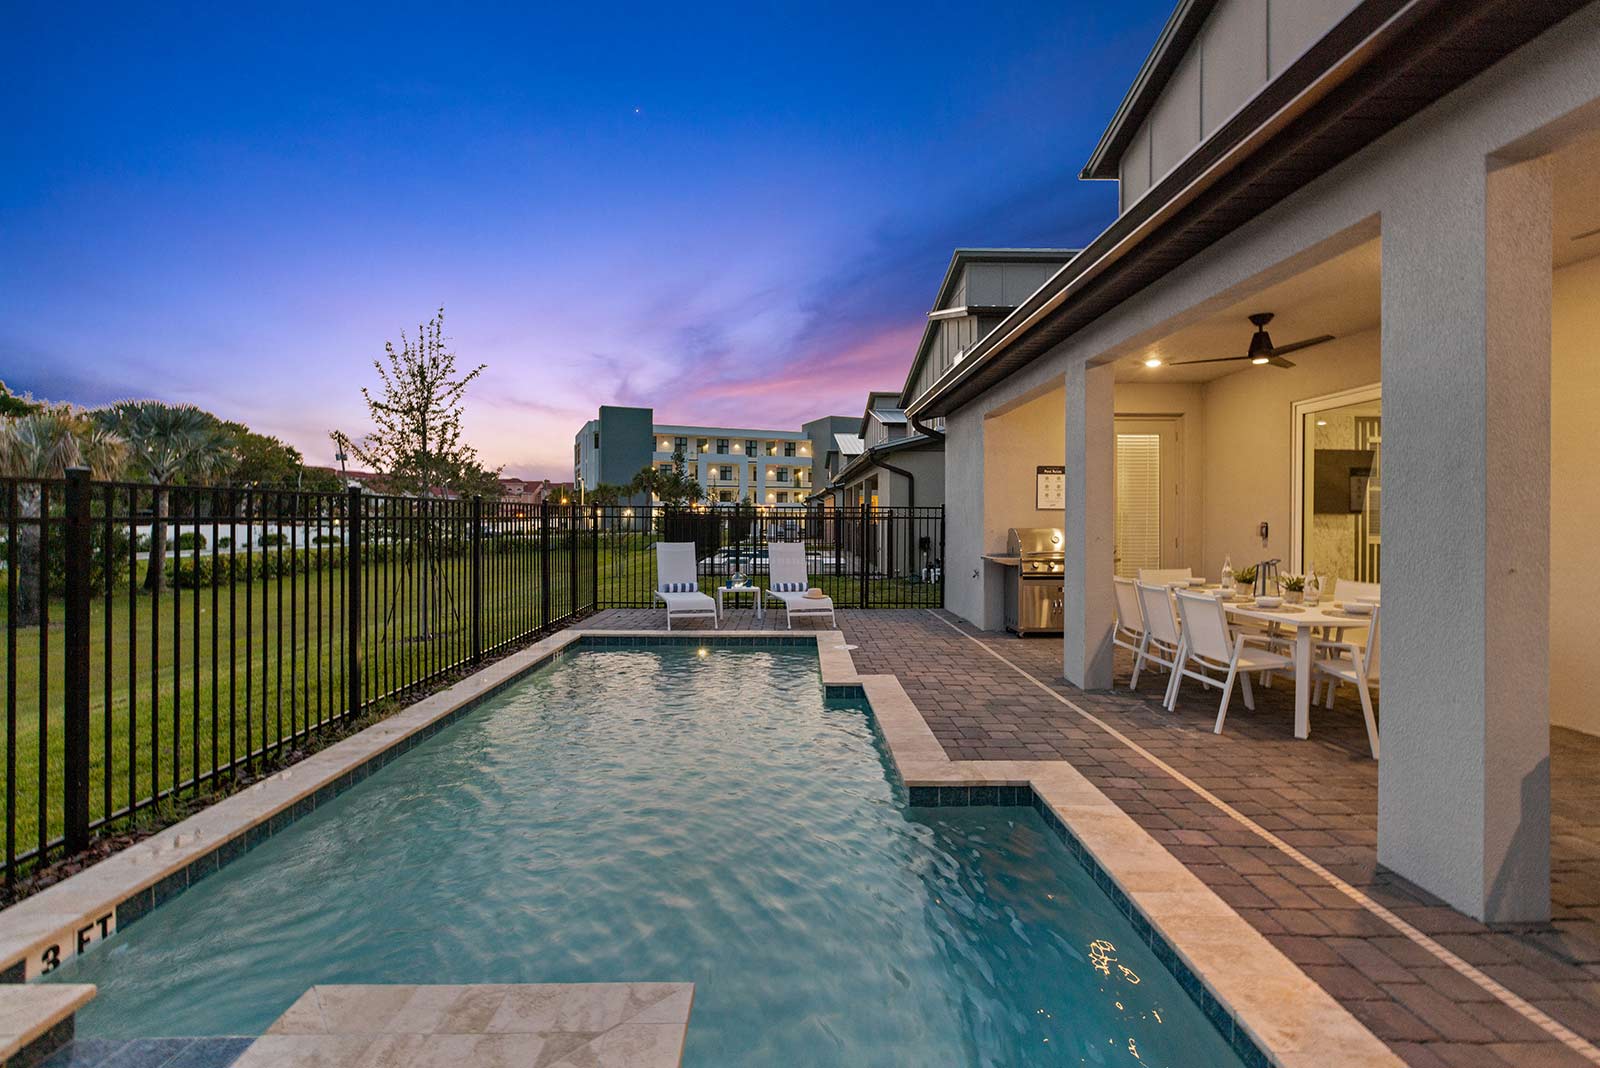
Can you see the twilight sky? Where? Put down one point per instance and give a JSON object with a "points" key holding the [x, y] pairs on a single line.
{"points": [[735, 214]]}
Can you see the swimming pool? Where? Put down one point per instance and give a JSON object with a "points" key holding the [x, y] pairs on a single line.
{"points": [[672, 813]]}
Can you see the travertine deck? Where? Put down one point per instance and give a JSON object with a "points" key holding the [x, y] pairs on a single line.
{"points": [[1281, 829], [568, 1025]]}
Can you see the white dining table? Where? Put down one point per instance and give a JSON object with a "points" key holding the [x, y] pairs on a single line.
{"points": [[1303, 620]]}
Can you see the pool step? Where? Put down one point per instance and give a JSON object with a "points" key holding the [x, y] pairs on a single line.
{"points": [[149, 1053]]}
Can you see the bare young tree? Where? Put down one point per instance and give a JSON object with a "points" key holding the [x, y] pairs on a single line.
{"points": [[416, 441], [416, 415]]}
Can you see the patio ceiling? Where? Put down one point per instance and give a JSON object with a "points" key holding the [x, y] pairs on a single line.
{"points": [[1340, 296]]}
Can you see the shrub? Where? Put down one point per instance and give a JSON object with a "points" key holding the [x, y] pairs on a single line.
{"points": [[190, 539], [327, 539], [224, 542], [272, 541], [203, 571]]}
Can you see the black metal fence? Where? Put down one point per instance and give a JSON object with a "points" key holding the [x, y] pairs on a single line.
{"points": [[861, 557], [162, 640]]}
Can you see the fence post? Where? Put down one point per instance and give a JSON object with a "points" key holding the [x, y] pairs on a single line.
{"points": [[572, 560], [861, 595], [353, 564], [594, 561], [544, 564], [77, 554], [477, 578], [939, 556]]}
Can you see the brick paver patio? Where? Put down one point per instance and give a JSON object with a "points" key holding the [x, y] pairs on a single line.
{"points": [[1317, 796]]}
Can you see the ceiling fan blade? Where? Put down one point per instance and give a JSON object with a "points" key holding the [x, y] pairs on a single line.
{"points": [[1214, 359], [1296, 346], [1278, 361]]}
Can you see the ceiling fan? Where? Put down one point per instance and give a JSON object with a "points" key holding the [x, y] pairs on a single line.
{"points": [[1262, 350]]}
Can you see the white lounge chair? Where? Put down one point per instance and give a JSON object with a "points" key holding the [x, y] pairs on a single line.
{"points": [[677, 586], [787, 581]]}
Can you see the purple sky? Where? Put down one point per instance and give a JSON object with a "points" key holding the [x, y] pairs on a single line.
{"points": [[737, 217]]}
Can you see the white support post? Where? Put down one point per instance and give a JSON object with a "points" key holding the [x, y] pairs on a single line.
{"points": [[1464, 783], [1090, 526]]}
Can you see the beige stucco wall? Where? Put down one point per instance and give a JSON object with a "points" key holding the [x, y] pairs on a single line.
{"points": [[1018, 441], [1574, 496], [1249, 462]]}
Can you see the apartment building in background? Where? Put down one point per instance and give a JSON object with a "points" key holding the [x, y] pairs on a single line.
{"points": [[733, 464]]}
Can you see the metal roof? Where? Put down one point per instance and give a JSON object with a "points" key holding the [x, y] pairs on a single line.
{"points": [[849, 444], [1378, 66], [892, 416]]}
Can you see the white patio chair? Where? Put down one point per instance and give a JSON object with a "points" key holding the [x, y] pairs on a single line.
{"points": [[1357, 664], [677, 586], [1350, 590], [1166, 576], [1210, 644], [1128, 633], [1160, 642], [1345, 591], [787, 581]]}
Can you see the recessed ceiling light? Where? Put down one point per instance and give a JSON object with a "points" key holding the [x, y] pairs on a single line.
{"points": [[1152, 361], [1322, 422]]}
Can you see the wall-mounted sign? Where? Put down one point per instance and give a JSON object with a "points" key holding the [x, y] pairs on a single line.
{"points": [[1050, 493]]}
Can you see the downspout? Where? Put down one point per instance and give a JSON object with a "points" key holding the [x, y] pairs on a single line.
{"points": [[924, 428], [911, 480]]}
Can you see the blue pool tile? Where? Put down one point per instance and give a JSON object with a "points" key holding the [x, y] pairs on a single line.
{"points": [[147, 1053], [984, 795], [232, 849], [170, 887], [85, 1053], [15, 973], [953, 795], [210, 1053], [923, 796], [204, 866], [133, 908], [1245, 1046]]}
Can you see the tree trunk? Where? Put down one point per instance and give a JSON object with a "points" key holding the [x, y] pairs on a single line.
{"points": [[30, 590], [155, 576]]}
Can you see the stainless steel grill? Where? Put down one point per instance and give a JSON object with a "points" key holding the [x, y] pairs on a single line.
{"points": [[1034, 597]]}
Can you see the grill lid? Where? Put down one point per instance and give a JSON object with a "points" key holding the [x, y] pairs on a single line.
{"points": [[1036, 541]]}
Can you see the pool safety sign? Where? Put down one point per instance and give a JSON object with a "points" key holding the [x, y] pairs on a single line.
{"points": [[1050, 492]]}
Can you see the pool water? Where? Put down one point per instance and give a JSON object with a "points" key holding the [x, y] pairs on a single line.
{"points": [[667, 813]]}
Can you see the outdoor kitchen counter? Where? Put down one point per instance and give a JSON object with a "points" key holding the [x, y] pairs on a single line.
{"points": [[1003, 560]]}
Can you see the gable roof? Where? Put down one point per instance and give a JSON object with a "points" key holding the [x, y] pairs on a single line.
{"points": [[1182, 27], [849, 444], [959, 259]]}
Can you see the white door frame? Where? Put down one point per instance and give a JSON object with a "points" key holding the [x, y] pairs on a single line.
{"points": [[1297, 461], [1174, 541]]}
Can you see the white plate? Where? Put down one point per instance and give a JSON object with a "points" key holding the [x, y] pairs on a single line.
{"points": [[1358, 608], [1269, 602]]}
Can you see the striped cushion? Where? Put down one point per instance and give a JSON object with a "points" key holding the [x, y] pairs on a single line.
{"points": [[680, 587], [789, 587]]}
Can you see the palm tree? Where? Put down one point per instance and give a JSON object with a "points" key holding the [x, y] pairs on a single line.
{"points": [[42, 445], [167, 443]]}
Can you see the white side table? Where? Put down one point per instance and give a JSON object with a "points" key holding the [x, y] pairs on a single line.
{"points": [[752, 589]]}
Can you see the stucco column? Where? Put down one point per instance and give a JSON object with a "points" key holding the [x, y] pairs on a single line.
{"points": [[1089, 524], [1464, 783]]}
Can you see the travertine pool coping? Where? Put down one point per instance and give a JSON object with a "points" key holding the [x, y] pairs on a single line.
{"points": [[557, 1025], [38, 1019], [1271, 1010]]}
